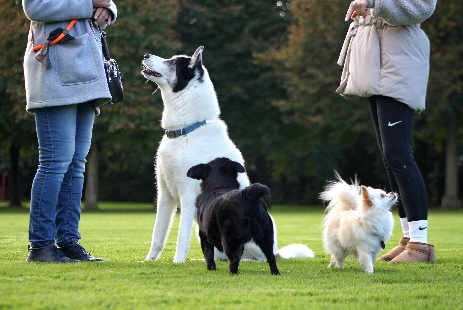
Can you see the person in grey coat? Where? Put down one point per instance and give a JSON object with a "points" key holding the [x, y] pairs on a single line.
{"points": [[386, 59], [65, 85]]}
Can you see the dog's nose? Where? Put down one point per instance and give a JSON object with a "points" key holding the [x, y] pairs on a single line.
{"points": [[146, 56]]}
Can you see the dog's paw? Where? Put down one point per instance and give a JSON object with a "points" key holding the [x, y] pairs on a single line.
{"points": [[211, 267], [150, 257], [369, 269], [153, 253]]}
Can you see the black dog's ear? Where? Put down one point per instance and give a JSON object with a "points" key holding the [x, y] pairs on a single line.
{"points": [[234, 166], [199, 172], [197, 58], [239, 167]]}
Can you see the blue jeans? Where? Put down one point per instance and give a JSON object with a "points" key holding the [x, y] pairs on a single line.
{"points": [[64, 135]]}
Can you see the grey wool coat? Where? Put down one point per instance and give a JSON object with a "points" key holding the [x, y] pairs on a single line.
{"points": [[77, 73]]}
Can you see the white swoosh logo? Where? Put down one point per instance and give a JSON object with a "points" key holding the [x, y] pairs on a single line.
{"points": [[393, 124]]}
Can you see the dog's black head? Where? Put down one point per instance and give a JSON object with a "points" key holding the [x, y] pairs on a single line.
{"points": [[177, 72], [186, 69], [217, 174]]}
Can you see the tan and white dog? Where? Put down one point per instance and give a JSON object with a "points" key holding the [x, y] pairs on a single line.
{"points": [[194, 134], [358, 222]]}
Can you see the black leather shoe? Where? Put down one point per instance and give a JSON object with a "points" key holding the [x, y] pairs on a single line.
{"points": [[74, 250], [48, 254]]}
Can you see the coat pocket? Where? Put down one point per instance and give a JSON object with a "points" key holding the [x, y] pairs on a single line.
{"points": [[76, 60]]}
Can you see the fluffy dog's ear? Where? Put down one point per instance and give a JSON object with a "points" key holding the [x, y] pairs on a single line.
{"points": [[199, 172], [366, 197], [197, 59]]}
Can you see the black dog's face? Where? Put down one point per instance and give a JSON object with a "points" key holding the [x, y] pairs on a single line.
{"points": [[219, 173]]}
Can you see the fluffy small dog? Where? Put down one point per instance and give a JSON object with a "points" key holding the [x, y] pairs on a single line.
{"points": [[229, 217], [358, 222]]}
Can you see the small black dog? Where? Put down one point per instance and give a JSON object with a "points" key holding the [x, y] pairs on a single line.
{"points": [[229, 217]]}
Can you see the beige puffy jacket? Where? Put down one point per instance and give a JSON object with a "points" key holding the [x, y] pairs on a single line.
{"points": [[379, 58]]}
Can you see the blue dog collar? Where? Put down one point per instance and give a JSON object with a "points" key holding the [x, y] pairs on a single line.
{"points": [[184, 131]]}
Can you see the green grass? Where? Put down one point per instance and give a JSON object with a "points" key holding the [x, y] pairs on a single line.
{"points": [[125, 281]]}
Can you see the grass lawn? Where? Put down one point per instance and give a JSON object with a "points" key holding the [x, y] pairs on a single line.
{"points": [[125, 281]]}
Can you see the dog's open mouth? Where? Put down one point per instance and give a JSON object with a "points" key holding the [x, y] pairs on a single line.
{"points": [[148, 71]]}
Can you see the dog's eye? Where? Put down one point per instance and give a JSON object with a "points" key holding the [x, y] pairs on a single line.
{"points": [[383, 195]]}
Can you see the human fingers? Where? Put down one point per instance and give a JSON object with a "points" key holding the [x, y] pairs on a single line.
{"points": [[356, 8], [349, 12], [101, 15]]}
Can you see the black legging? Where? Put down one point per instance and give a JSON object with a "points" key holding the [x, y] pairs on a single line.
{"points": [[393, 122]]}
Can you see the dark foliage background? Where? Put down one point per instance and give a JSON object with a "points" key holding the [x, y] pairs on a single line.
{"points": [[274, 68]]}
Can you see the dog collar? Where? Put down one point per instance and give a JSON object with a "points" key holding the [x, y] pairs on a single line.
{"points": [[184, 131]]}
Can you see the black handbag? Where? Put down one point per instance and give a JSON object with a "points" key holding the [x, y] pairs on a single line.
{"points": [[113, 75]]}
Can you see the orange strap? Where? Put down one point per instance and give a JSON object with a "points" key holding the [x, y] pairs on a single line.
{"points": [[59, 38]]}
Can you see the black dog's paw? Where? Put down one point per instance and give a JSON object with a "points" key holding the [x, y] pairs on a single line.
{"points": [[211, 267]]}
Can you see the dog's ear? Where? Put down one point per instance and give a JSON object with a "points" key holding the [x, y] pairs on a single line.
{"points": [[366, 197], [199, 172], [239, 167], [235, 166], [197, 59]]}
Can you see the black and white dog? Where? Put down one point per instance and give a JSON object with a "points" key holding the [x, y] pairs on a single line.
{"points": [[194, 133], [229, 217]]}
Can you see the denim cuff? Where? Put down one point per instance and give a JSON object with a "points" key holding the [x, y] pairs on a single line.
{"points": [[41, 244]]}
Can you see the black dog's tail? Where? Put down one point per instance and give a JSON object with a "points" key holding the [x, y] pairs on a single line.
{"points": [[256, 191]]}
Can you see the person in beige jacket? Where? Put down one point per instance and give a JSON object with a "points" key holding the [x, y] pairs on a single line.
{"points": [[386, 59]]}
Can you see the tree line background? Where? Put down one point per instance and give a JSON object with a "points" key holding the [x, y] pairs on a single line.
{"points": [[273, 64]]}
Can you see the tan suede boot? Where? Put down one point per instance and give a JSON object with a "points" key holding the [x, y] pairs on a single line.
{"points": [[395, 251], [416, 252]]}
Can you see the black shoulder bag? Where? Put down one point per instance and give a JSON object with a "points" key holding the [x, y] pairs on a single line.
{"points": [[113, 75]]}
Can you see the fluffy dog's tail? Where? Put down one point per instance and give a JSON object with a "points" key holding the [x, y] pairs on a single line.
{"points": [[340, 195], [295, 251], [256, 191]]}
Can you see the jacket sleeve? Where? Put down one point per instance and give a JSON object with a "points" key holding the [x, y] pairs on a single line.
{"points": [[403, 12], [113, 9], [55, 11]]}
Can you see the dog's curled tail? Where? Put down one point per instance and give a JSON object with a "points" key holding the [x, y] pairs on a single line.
{"points": [[341, 195], [256, 191], [295, 251]]}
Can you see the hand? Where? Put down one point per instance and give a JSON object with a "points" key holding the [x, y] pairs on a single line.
{"points": [[101, 3], [356, 8], [101, 15]]}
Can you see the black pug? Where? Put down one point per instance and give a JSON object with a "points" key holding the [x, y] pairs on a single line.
{"points": [[229, 217]]}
